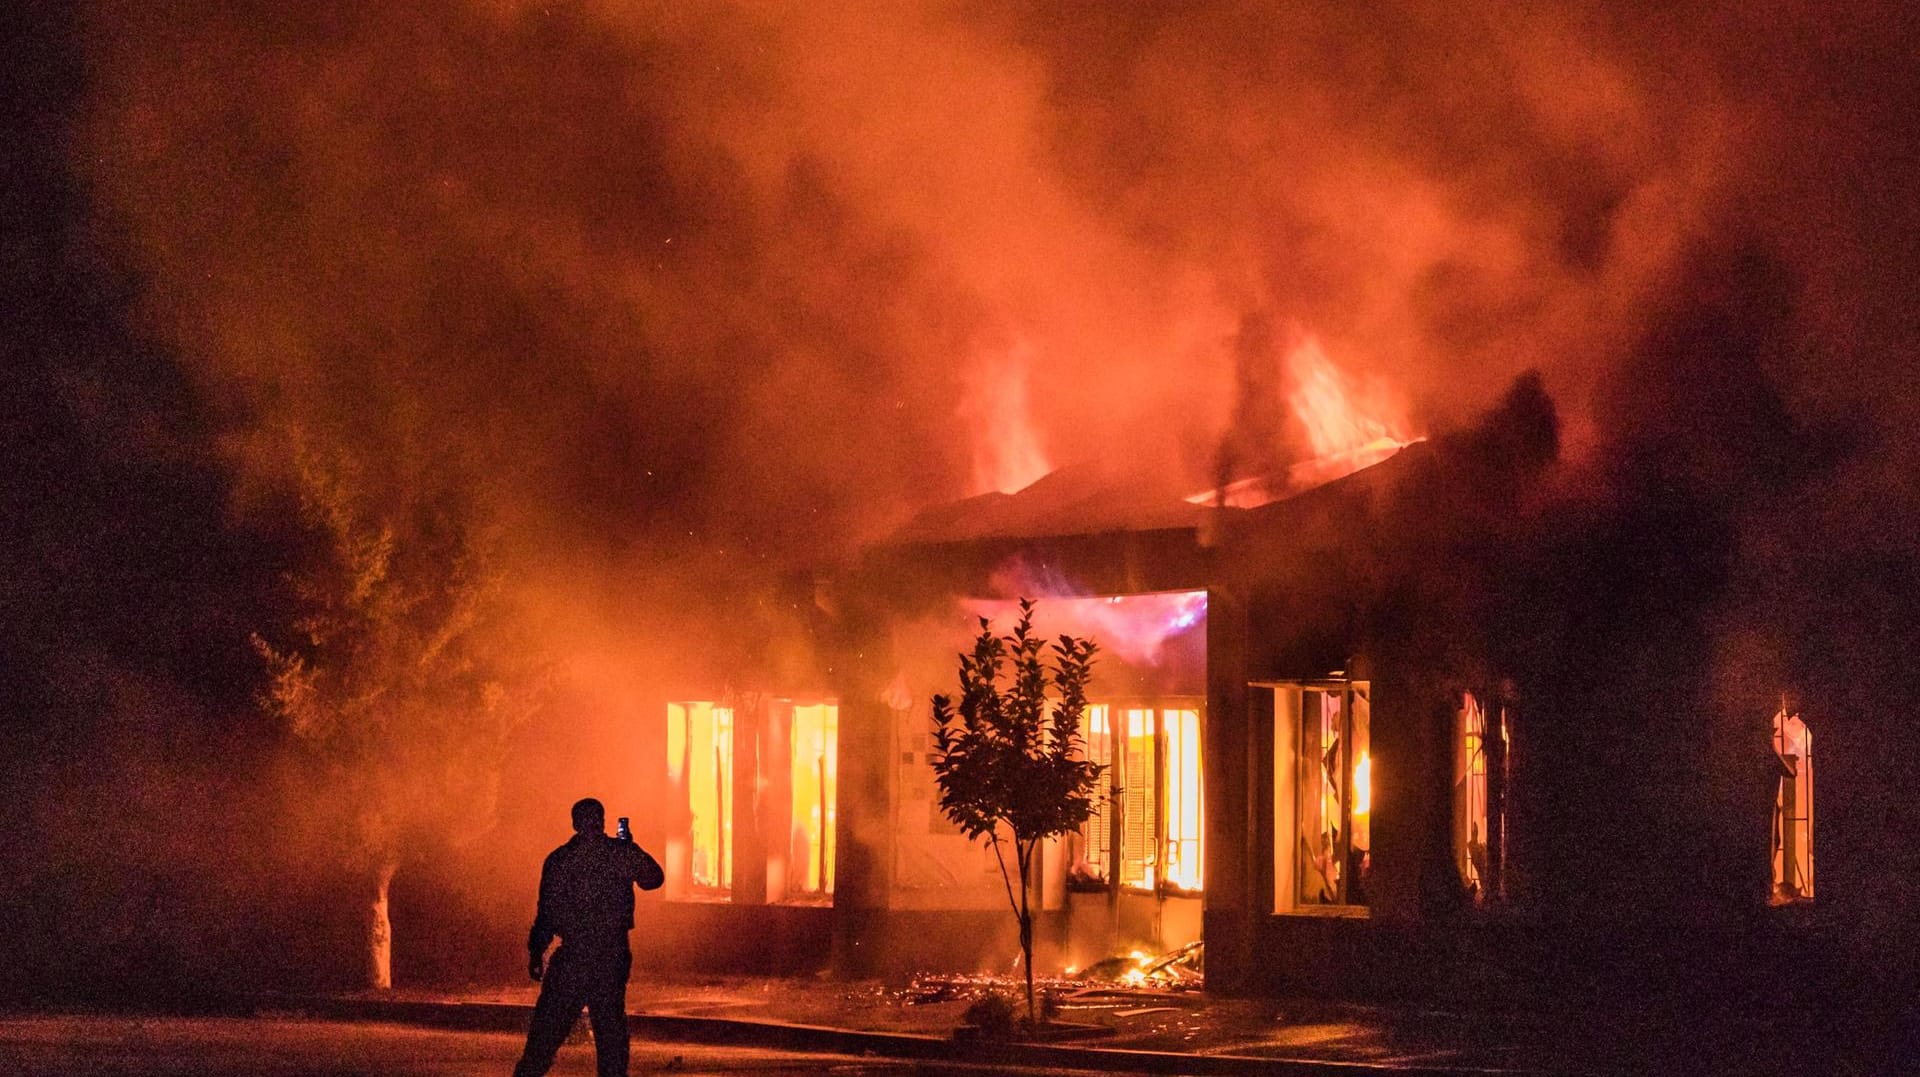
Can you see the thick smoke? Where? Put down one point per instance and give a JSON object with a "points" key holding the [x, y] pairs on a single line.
{"points": [[721, 270], [668, 296]]}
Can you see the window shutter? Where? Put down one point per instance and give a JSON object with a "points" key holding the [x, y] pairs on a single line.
{"points": [[1139, 821]]}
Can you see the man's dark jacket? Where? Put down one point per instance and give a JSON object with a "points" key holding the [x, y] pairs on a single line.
{"points": [[586, 892]]}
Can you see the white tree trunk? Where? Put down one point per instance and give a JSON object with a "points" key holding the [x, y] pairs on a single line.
{"points": [[380, 934]]}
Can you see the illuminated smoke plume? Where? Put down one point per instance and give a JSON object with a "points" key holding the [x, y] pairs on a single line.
{"points": [[1135, 628], [708, 278]]}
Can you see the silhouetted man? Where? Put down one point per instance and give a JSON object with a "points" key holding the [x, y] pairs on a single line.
{"points": [[586, 898]]}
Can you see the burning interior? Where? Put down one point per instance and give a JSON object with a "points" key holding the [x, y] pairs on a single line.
{"points": [[1479, 798], [780, 793], [1151, 758], [1323, 798]]}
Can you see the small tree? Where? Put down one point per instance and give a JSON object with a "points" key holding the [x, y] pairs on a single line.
{"points": [[1010, 764]]}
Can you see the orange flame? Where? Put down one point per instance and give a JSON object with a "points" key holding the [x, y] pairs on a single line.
{"points": [[1006, 449], [1338, 424], [1348, 427]]}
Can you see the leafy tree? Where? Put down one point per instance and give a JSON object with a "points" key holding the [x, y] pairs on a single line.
{"points": [[398, 680], [1010, 763]]}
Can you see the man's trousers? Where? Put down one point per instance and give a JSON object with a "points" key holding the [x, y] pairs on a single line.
{"points": [[594, 977]]}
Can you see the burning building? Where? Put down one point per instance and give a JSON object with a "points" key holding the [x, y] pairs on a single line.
{"points": [[1253, 673], [1328, 753]]}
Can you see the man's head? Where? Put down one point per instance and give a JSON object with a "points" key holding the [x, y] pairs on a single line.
{"points": [[589, 817]]}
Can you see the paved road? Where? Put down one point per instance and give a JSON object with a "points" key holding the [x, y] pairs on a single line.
{"points": [[101, 1046]]}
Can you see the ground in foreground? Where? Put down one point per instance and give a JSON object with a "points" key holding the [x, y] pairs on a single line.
{"points": [[119, 1046]]}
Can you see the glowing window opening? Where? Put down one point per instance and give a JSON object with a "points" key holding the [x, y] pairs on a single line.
{"points": [[1792, 810], [1323, 802], [700, 763], [1470, 834], [1186, 807], [1096, 836], [1152, 805], [1139, 800], [1481, 750], [814, 778]]}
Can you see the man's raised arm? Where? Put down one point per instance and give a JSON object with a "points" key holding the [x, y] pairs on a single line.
{"points": [[646, 870]]}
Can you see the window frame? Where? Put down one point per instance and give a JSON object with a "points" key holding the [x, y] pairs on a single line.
{"points": [[1491, 785], [1112, 813], [680, 775], [827, 858], [1795, 775], [1288, 762], [1096, 836]]}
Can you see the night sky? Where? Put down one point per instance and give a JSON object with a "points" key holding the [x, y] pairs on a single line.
{"points": [[584, 321]]}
